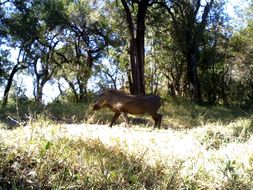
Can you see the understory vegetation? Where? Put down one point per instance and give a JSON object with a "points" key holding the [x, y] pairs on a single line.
{"points": [[199, 147]]}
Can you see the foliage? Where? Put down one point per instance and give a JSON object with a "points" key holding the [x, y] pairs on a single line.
{"points": [[190, 51], [241, 46], [4, 65]]}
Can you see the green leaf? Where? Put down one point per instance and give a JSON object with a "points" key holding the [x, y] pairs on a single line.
{"points": [[48, 145]]}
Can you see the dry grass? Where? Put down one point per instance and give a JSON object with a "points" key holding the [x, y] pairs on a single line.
{"points": [[198, 148], [45, 155]]}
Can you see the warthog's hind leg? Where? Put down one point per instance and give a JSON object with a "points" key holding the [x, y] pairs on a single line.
{"points": [[158, 119], [126, 119]]}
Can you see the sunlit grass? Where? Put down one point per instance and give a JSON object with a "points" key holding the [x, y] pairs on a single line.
{"points": [[46, 155], [198, 147]]}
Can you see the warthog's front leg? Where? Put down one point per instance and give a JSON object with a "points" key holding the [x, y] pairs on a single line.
{"points": [[115, 117]]}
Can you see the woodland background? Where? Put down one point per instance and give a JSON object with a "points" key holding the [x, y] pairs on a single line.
{"points": [[189, 52], [183, 48]]}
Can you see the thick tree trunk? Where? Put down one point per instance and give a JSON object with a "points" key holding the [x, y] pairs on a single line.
{"points": [[137, 50], [140, 43], [39, 94], [134, 84], [193, 77]]}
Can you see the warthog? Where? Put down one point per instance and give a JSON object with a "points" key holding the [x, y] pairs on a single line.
{"points": [[122, 103]]}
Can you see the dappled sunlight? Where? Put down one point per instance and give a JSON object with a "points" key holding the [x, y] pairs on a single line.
{"points": [[209, 154], [154, 143]]}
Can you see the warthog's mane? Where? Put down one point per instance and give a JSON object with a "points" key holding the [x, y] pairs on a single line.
{"points": [[117, 92], [122, 93]]}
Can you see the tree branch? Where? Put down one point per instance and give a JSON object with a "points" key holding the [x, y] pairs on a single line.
{"points": [[129, 18]]}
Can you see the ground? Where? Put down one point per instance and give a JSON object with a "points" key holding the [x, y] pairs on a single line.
{"points": [[212, 156]]}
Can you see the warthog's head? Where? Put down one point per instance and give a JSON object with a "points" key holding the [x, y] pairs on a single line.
{"points": [[101, 101]]}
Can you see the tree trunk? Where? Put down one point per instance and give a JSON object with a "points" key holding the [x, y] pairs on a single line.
{"points": [[72, 87], [193, 77], [40, 83], [15, 69], [39, 94], [134, 84], [137, 42], [82, 84], [188, 35], [140, 43]]}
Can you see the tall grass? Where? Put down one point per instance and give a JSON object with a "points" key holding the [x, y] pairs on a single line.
{"points": [[176, 114], [47, 159], [184, 114], [198, 150], [50, 156]]}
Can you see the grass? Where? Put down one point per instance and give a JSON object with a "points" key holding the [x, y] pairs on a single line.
{"points": [[47, 158], [198, 150], [187, 115]]}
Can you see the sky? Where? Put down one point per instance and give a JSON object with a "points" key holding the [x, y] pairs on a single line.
{"points": [[50, 91], [235, 8]]}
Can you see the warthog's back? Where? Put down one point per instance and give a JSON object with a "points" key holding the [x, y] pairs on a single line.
{"points": [[135, 104], [152, 103]]}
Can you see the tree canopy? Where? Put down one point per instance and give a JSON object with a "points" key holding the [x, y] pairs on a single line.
{"points": [[172, 48]]}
